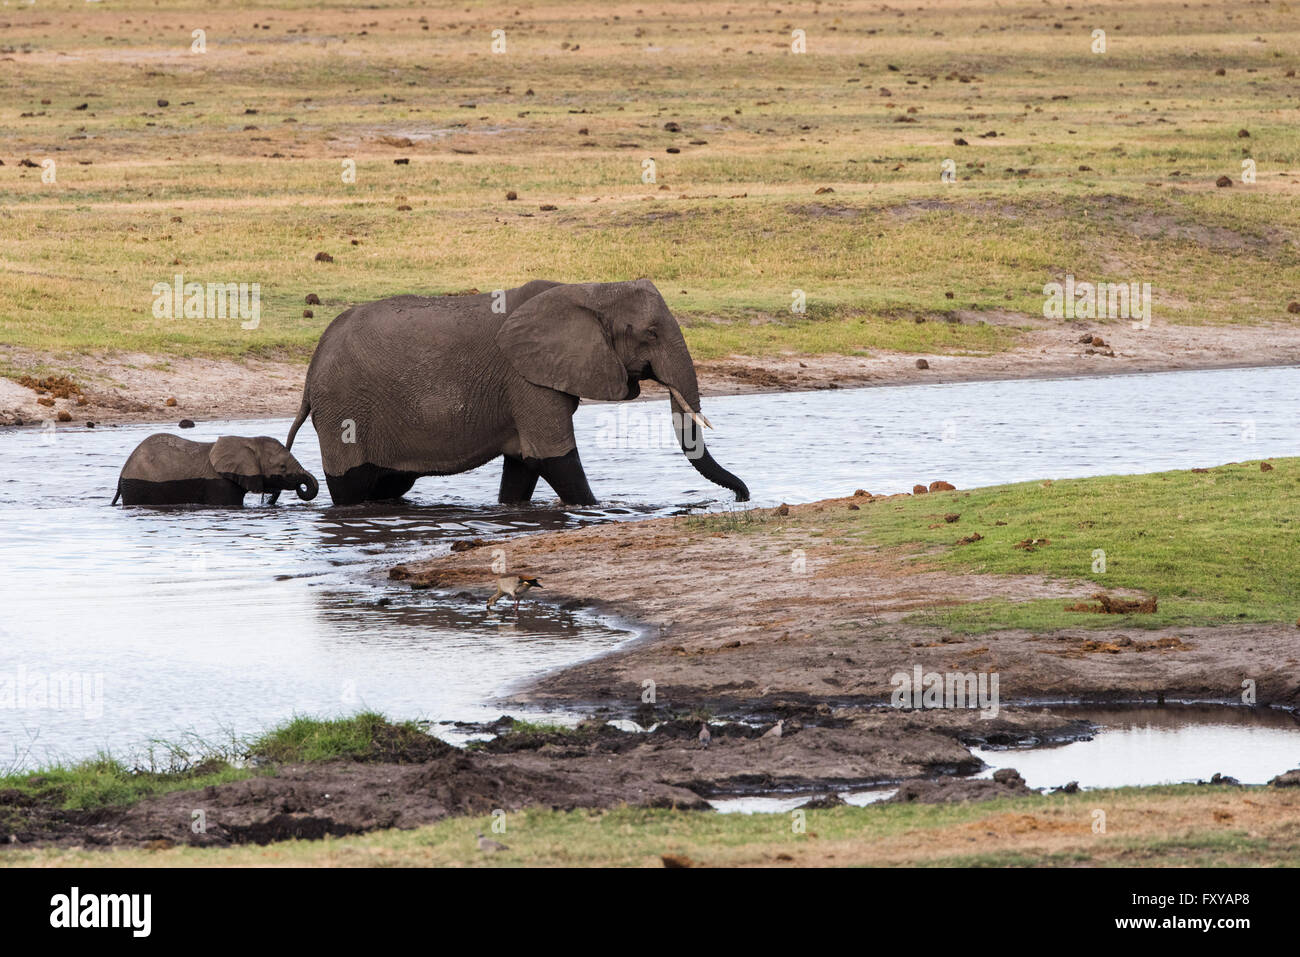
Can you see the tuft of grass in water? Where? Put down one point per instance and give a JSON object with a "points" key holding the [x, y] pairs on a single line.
{"points": [[105, 781], [367, 736]]}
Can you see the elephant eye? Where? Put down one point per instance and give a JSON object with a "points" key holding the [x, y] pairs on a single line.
{"points": [[652, 334]]}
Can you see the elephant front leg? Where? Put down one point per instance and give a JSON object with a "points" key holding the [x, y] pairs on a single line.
{"points": [[518, 480], [564, 474]]}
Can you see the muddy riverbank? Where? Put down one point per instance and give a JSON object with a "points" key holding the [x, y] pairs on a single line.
{"points": [[593, 766], [736, 621], [134, 387]]}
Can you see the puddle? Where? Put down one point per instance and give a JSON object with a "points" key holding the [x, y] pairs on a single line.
{"points": [[782, 804], [226, 622], [1169, 745]]}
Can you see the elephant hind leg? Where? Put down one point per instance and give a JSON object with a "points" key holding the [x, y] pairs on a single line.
{"points": [[368, 483], [393, 485], [518, 481], [564, 473]]}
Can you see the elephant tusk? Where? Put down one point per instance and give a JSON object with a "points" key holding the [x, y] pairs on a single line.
{"points": [[697, 416]]}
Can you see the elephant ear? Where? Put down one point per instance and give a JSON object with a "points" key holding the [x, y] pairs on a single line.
{"points": [[236, 459], [555, 339]]}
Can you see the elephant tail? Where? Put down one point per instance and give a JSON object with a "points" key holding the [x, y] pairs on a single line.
{"points": [[303, 411], [118, 493]]}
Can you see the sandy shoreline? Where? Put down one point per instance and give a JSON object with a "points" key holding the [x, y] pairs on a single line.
{"points": [[730, 628], [131, 387]]}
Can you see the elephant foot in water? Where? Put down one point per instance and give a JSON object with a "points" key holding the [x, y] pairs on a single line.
{"points": [[563, 473]]}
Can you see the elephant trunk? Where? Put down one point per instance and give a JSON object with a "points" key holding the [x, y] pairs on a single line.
{"points": [[307, 487], [687, 422]]}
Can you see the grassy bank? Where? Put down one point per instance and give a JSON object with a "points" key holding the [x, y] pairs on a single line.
{"points": [[1213, 546], [1185, 825], [816, 172], [106, 781]]}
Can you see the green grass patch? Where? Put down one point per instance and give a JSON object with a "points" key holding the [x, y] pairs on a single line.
{"points": [[105, 780], [1213, 547]]}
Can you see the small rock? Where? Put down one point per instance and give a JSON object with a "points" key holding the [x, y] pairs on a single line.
{"points": [[403, 161], [823, 189], [952, 517], [64, 415], [1265, 467], [324, 258], [1071, 788], [307, 314], [1008, 776], [919, 490], [313, 299], [922, 364], [860, 493], [1224, 779], [1243, 134], [822, 803], [170, 402], [1223, 181], [1293, 306], [783, 509], [942, 486], [958, 141], [512, 195], [1220, 72], [185, 424]]}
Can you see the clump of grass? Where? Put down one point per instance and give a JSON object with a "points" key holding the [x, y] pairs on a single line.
{"points": [[730, 520], [367, 736], [105, 781]]}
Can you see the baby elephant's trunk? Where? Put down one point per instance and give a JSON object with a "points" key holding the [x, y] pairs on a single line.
{"points": [[307, 487]]}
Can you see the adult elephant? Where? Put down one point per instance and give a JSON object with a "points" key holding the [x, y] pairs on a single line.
{"points": [[414, 386]]}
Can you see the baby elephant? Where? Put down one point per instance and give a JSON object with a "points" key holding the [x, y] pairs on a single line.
{"points": [[168, 470]]}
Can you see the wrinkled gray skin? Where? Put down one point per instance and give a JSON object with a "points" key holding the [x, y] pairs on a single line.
{"points": [[169, 470], [435, 386]]}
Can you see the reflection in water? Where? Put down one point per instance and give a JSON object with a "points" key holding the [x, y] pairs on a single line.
{"points": [[1166, 745], [231, 620]]}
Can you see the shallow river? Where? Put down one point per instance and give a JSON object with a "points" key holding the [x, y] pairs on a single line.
{"points": [[213, 623]]}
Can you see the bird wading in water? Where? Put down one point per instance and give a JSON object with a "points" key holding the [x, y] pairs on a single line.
{"points": [[513, 587]]}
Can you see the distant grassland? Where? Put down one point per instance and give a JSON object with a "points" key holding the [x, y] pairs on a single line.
{"points": [[239, 177]]}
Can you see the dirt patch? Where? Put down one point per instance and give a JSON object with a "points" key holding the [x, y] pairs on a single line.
{"points": [[1110, 605], [133, 387]]}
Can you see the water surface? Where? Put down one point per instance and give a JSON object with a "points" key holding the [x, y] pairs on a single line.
{"points": [[221, 622]]}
